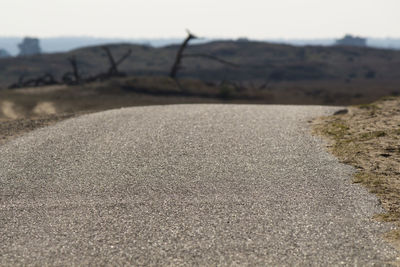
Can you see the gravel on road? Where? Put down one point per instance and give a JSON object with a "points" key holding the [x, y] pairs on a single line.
{"points": [[185, 185]]}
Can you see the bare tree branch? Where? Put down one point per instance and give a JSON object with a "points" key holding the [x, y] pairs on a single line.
{"points": [[113, 66], [113, 70], [213, 58], [75, 69], [45, 79], [177, 63], [125, 56]]}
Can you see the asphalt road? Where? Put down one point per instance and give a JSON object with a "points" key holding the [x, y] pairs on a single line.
{"points": [[184, 185]]}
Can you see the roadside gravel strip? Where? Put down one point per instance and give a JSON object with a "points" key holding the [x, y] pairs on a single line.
{"points": [[184, 185]]}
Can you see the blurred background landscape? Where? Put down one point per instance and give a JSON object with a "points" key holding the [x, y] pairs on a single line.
{"points": [[277, 53]]}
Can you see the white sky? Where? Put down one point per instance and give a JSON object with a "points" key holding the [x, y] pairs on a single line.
{"points": [[209, 18]]}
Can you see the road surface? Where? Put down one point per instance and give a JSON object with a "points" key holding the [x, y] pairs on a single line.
{"points": [[185, 185]]}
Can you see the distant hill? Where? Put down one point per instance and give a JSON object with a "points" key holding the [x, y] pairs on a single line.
{"points": [[65, 44], [257, 61], [346, 72]]}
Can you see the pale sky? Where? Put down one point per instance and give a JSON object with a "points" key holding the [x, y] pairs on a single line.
{"points": [[258, 19]]}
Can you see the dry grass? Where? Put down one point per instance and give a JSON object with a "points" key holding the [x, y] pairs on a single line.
{"points": [[368, 138], [38, 102]]}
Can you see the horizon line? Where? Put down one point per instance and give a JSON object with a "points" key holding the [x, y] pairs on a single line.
{"points": [[182, 37]]}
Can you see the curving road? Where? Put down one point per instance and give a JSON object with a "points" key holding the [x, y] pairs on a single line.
{"points": [[184, 185]]}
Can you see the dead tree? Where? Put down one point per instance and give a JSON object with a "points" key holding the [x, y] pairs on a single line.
{"points": [[179, 56], [18, 84], [46, 79], [177, 63], [74, 65], [74, 77], [43, 80], [113, 66], [113, 70]]}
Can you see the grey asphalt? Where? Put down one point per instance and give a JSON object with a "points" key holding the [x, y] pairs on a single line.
{"points": [[185, 185]]}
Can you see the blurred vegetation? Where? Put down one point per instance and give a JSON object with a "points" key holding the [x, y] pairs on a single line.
{"points": [[292, 75]]}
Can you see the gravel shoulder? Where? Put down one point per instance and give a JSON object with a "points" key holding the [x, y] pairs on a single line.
{"points": [[185, 185]]}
